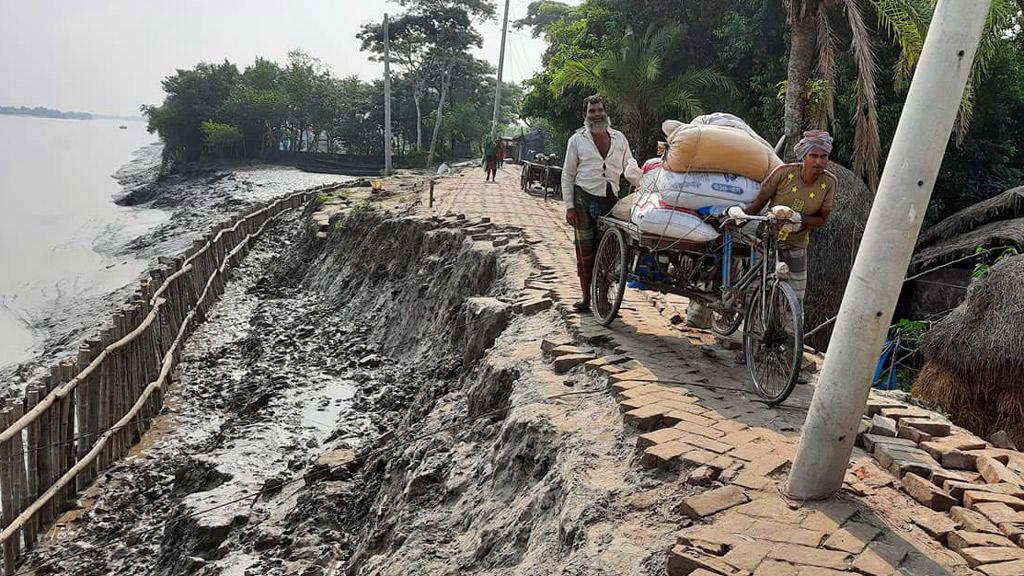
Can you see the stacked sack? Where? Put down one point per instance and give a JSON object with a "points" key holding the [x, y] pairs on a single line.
{"points": [[715, 160]]}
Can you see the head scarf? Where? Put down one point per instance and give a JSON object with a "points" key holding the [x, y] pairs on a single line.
{"points": [[813, 139]]}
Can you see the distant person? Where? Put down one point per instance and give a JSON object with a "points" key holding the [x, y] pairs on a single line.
{"points": [[490, 160], [595, 159], [810, 190], [501, 152]]}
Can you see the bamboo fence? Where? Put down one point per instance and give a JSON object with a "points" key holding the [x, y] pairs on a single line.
{"points": [[91, 409]]}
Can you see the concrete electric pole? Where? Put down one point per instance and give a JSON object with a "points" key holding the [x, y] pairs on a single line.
{"points": [[387, 100], [877, 276], [501, 65]]}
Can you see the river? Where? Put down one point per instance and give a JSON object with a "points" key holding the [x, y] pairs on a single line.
{"points": [[59, 223]]}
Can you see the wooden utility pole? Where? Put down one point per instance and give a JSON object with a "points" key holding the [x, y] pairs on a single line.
{"points": [[889, 237], [497, 85], [387, 100]]}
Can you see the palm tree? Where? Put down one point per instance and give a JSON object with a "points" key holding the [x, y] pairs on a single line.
{"points": [[633, 80], [813, 46], [906, 22], [812, 51]]}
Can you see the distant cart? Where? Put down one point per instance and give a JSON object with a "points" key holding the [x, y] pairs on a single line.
{"points": [[542, 174]]}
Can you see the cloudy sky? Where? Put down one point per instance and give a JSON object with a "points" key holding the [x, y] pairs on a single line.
{"points": [[108, 56]]}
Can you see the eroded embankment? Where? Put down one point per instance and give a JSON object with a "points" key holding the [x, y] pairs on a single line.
{"points": [[449, 446]]}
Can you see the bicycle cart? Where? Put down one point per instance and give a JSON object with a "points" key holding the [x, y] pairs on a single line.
{"points": [[547, 176], [739, 277]]}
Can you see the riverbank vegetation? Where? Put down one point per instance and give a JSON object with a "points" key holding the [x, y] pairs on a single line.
{"points": [[216, 111]]}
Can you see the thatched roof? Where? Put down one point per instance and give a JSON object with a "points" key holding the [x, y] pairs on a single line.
{"points": [[1006, 206], [986, 330], [832, 251], [975, 356], [991, 235], [998, 221]]}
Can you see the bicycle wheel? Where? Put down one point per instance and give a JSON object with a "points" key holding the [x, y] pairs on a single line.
{"points": [[773, 341], [608, 281]]}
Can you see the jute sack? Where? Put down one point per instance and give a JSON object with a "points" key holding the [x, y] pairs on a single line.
{"points": [[711, 148]]}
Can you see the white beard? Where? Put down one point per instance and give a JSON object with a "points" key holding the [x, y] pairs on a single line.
{"points": [[598, 126]]}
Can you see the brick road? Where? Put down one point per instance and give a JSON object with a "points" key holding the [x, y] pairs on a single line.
{"points": [[688, 403]]}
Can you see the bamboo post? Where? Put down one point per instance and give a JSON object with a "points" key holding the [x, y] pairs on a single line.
{"points": [[103, 411], [118, 384], [10, 547], [32, 465], [80, 431], [20, 499], [92, 401], [67, 432], [44, 457]]}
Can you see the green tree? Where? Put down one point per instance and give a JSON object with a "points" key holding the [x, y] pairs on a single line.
{"points": [[258, 106], [814, 40], [222, 140], [193, 97], [634, 80]]}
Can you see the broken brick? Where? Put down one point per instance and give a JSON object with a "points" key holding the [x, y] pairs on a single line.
{"points": [[972, 497], [995, 471], [882, 426], [972, 521], [852, 538], [657, 437], [713, 501], [569, 361], [936, 525], [927, 493], [978, 555], [960, 539], [927, 425]]}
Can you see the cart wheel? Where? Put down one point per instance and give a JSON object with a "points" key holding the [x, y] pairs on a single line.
{"points": [[608, 281], [524, 180], [773, 341], [547, 179], [725, 323]]}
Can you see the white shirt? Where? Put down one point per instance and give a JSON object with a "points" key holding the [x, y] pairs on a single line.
{"points": [[584, 166]]}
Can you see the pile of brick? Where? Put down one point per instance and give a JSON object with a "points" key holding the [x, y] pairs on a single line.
{"points": [[979, 487]]}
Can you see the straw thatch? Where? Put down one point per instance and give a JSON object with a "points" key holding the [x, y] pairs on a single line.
{"points": [[998, 221], [974, 365], [1006, 206], [832, 251]]}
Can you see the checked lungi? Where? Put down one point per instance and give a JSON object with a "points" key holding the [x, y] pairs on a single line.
{"points": [[588, 209]]}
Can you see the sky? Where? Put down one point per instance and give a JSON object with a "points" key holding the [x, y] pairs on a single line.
{"points": [[109, 56]]}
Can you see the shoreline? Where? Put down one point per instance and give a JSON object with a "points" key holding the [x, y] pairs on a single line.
{"points": [[196, 200]]}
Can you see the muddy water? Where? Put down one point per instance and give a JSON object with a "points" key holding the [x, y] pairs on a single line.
{"points": [[57, 218]]}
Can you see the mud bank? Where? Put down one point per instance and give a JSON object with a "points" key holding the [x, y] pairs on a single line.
{"points": [[373, 403], [196, 200]]}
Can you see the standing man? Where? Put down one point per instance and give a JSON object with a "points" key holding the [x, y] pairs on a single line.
{"points": [[595, 160], [810, 190]]}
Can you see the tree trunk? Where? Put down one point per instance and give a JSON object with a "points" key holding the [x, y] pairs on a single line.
{"points": [[416, 95], [437, 122], [803, 50]]}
